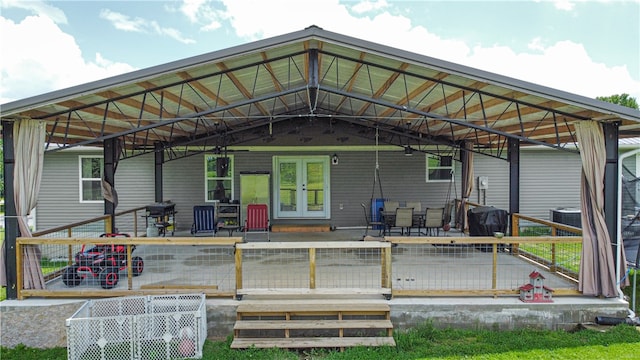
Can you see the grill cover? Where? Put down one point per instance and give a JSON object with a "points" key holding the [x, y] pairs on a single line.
{"points": [[485, 220]]}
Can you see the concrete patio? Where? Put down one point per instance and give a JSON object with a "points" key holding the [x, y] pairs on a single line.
{"points": [[41, 322]]}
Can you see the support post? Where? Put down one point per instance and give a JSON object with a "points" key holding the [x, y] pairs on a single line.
{"points": [[159, 160], [11, 229], [464, 183], [313, 79], [513, 157], [611, 214], [110, 162]]}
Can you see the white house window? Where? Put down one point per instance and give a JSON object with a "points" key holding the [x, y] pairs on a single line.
{"points": [[439, 168], [90, 178], [218, 177]]}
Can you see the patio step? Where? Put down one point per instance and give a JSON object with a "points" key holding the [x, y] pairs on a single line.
{"points": [[312, 324], [300, 228]]}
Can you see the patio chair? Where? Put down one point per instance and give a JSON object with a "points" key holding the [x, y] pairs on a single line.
{"points": [[417, 214], [433, 220], [371, 223], [416, 205], [257, 220], [404, 219], [391, 206], [203, 220]]}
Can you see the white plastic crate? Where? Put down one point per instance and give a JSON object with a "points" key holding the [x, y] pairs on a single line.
{"points": [[138, 327]]}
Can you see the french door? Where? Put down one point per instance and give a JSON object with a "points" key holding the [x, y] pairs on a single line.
{"points": [[301, 187]]}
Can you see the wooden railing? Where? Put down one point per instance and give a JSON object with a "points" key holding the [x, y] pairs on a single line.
{"points": [[399, 266], [547, 228], [304, 272], [506, 269], [103, 224], [163, 249], [420, 266]]}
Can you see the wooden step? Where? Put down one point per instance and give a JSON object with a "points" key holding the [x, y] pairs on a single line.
{"points": [[311, 324], [270, 308], [314, 342]]}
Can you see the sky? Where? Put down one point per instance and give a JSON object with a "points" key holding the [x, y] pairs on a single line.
{"points": [[590, 48]]}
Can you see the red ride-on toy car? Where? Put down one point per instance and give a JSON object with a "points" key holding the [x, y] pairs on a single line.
{"points": [[103, 261]]}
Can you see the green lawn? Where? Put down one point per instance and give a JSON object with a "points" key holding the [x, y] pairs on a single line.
{"points": [[427, 342], [567, 255]]}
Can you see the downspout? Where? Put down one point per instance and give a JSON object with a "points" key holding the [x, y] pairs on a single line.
{"points": [[619, 226]]}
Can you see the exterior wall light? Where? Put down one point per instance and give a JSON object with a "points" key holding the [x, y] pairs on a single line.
{"points": [[408, 151]]}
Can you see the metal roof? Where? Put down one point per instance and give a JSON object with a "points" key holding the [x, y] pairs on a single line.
{"points": [[245, 93]]}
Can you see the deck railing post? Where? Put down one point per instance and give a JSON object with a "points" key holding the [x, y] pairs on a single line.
{"points": [[129, 268], [494, 275], [386, 267], [108, 221], [312, 268], [70, 258], [238, 269], [515, 231], [19, 272], [553, 266]]}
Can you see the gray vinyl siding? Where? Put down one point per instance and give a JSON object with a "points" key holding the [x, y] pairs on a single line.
{"points": [[351, 181], [183, 184], [59, 196], [549, 179], [402, 178], [134, 181], [497, 171]]}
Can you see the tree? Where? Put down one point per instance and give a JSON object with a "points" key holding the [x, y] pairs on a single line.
{"points": [[621, 99]]}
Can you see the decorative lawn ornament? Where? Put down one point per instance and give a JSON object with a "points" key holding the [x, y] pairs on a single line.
{"points": [[535, 291]]}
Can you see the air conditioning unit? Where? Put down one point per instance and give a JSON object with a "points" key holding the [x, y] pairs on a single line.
{"points": [[567, 216]]}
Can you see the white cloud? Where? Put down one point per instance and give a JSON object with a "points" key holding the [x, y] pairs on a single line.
{"points": [[126, 23], [123, 22], [366, 6], [535, 44], [57, 63], [277, 17], [170, 32], [203, 12], [191, 8], [564, 65], [566, 5], [37, 8]]}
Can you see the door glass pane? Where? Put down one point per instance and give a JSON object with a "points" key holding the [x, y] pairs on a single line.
{"points": [[315, 186], [288, 193]]}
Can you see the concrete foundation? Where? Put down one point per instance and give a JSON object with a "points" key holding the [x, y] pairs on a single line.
{"points": [[41, 323]]}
